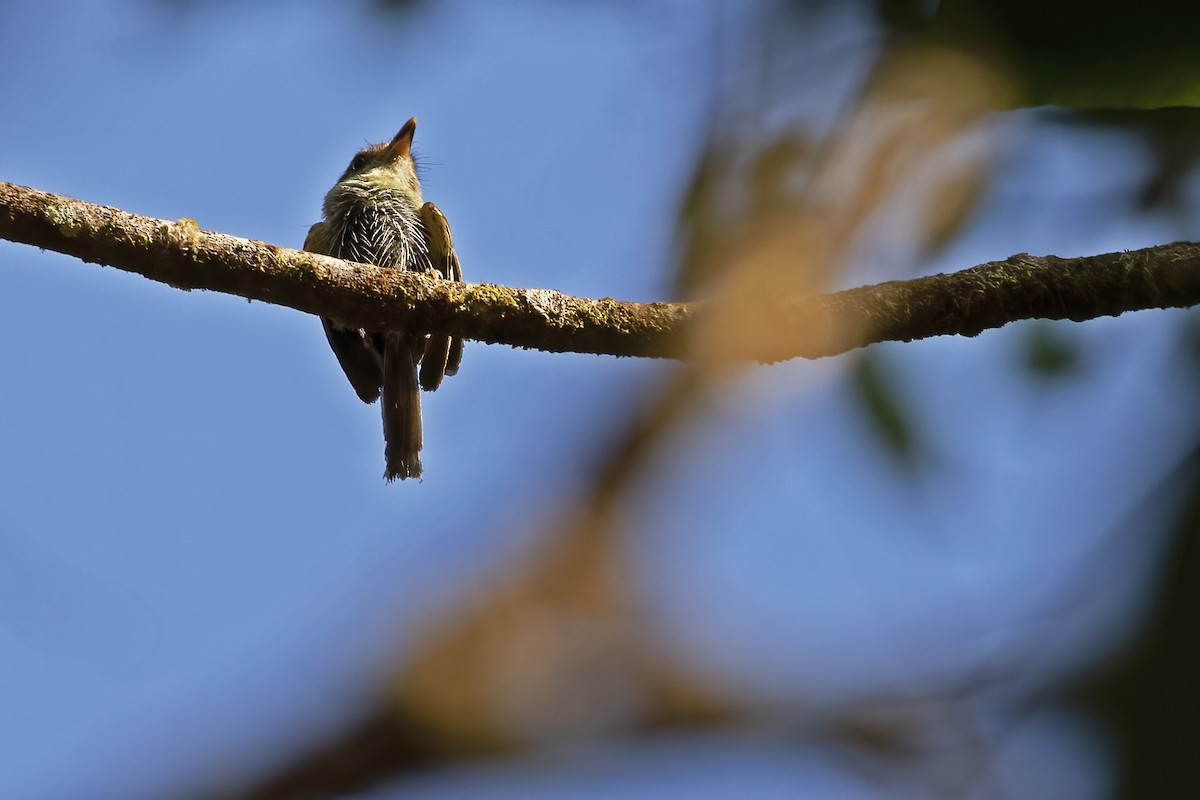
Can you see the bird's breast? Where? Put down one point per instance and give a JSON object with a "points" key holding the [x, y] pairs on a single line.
{"points": [[382, 229]]}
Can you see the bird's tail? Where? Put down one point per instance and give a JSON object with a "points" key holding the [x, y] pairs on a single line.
{"points": [[401, 407]]}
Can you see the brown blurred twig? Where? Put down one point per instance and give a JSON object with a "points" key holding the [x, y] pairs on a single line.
{"points": [[811, 326]]}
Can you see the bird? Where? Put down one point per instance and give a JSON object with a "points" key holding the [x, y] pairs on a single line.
{"points": [[376, 214]]}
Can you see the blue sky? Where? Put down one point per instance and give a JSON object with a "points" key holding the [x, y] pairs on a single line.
{"points": [[197, 551]]}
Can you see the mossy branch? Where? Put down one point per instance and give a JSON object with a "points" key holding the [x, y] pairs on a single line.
{"points": [[179, 253]]}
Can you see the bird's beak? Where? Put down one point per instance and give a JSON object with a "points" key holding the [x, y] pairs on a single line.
{"points": [[401, 145]]}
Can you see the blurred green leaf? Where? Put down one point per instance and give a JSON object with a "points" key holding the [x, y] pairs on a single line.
{"points": [[882, 405], [1190, 339], [1050, 352]]}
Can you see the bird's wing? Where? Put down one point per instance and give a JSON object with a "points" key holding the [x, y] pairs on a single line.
{"points": [[441, 246], [317, 239], [443, 353], [355, 350]]}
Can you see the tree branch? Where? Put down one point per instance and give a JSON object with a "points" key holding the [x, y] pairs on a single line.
{"points": [[965, 303]]}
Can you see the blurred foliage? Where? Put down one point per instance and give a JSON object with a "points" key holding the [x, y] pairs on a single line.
{"points": [[1190, 340], [1121, 66], [1051, 351], [401, 5], [902, 15], [1171, 137], [1151, 699], [879, 394], [1085, 55], [1132, 68], [716, 230]]}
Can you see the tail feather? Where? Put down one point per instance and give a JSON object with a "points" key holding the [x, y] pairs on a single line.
{"points": [[401, 407], [454, 356], [433, 363]]}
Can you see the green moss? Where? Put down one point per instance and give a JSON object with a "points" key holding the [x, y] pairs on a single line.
{"points": [[63, 217], [608, 313], [488, 298]]}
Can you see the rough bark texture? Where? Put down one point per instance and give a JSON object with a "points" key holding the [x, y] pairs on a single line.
{"points": [[965, 303]]}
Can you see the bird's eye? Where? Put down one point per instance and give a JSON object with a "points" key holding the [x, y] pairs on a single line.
{"points": [[359, 162]]}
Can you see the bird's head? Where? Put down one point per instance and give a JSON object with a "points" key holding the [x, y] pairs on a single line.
{"points": [[384, 166]]}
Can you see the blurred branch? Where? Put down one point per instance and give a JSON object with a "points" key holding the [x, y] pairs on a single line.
{"points": [[965, 303]]}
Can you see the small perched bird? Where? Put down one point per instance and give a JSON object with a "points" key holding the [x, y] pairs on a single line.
{"points": [[375, 214]]}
